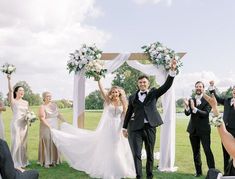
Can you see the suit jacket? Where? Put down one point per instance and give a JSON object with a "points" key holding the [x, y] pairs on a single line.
{"points": [[229, 112], [199, 121], [7, 169], [137, 111]]}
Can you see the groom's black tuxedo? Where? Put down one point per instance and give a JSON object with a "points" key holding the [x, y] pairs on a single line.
{"points": [[137, 110], [7, 169], [141, 119]]}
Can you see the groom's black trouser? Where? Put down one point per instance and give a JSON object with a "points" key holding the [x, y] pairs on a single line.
{"points": [[7, 169], [147, 135]]}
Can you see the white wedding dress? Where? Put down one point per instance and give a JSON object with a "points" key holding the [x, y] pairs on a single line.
{"points": [[103, 153]]}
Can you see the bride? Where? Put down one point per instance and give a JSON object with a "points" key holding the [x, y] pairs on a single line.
{"points": [[103, 153]]}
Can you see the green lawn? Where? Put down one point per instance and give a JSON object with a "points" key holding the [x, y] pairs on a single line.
{"points": [[183, 149]]}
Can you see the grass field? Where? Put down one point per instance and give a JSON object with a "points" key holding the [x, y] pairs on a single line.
{"points": [[183, 159]]}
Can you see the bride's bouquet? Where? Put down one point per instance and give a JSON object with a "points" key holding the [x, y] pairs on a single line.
{"points": [[8, 68], [161, 55], [95, 69], [30, 117], [80, 58]]}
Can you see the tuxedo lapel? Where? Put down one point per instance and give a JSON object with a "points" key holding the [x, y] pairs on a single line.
{"points": [[148, 96], [203, 102], [137, 98]]}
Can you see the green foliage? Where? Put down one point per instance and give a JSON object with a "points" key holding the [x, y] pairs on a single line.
{"points": [[33, 99], [126, 77], [180, 102], [1, 96], [94, 101], [227, 93], [63, 103]]}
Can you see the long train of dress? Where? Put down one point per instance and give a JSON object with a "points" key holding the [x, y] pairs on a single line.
{"points": [[103, 153]]}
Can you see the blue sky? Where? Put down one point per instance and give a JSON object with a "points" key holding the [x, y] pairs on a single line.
{"points": [[38, 35]]}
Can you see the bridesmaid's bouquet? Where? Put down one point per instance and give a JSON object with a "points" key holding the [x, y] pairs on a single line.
{"points": [[8, 68], [95, 69], [216, 121], [80, 58], [162, 56], [30, 117]]}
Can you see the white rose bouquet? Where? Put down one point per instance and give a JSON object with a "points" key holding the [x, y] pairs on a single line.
{"points": [[30, 117], [80, 58], [161, 55], [8, 68], [95, 69]]}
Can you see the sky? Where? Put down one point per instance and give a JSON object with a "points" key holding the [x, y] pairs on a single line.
{"points": [[38, 35]]}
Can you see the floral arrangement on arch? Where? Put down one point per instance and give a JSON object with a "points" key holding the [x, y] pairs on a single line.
{"points": [[8, 68], [162, 55], [88, 58]]}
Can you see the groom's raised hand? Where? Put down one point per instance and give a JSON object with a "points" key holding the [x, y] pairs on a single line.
{"points": [[173, 64]]}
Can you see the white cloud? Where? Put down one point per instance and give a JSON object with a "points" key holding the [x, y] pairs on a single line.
{"points": [[37, 37], [141, 2]]}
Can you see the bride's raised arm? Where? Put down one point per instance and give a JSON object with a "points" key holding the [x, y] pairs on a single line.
{"points": [[103, 92]]}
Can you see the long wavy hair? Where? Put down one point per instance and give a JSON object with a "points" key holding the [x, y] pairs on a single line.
{"points": [[118, 88]]}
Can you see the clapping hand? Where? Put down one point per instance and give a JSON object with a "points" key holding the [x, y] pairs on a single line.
{"points": [[192, 105], [186, 103]]}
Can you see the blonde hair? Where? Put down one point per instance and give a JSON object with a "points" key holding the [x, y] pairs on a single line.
{"points": [[44, 94], [118, 88]]}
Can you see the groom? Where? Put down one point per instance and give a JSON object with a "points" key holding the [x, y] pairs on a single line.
{"points": [[143, 118]]}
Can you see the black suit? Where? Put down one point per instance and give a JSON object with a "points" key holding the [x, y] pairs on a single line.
{"points": [[229, 122], [7, 169], [139, 131], [199, 130]]}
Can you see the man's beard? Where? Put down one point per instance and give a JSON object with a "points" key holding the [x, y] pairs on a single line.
{"points": [[198, 92]]}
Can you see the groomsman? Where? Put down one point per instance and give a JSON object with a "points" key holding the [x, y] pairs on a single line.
{"points": [[199, 128], [228, 116], [142, 118]]}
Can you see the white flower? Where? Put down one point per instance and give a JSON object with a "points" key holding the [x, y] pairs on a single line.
{"points": [[98, 56]]}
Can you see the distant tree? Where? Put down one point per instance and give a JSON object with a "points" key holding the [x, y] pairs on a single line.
{"points": [[94, 100], [227, 93], [1, 96], [180, 102]]}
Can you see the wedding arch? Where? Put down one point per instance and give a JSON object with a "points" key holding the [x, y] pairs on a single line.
{"points": [[112, 62]]}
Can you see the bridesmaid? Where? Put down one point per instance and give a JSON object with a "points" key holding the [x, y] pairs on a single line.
{"points": [[19, 127], [2, 108], [49, 118]]}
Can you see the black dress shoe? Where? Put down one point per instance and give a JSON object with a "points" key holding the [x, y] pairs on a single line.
{"points": [[198, 175]]}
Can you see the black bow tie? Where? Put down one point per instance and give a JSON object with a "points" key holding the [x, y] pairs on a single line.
{"points": [[141, 93]]}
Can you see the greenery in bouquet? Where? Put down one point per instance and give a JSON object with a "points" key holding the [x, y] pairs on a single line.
{"points": [[95, 69], [216, 121], [80, 58], [30, 117], [162, 56], [8, 68]]}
